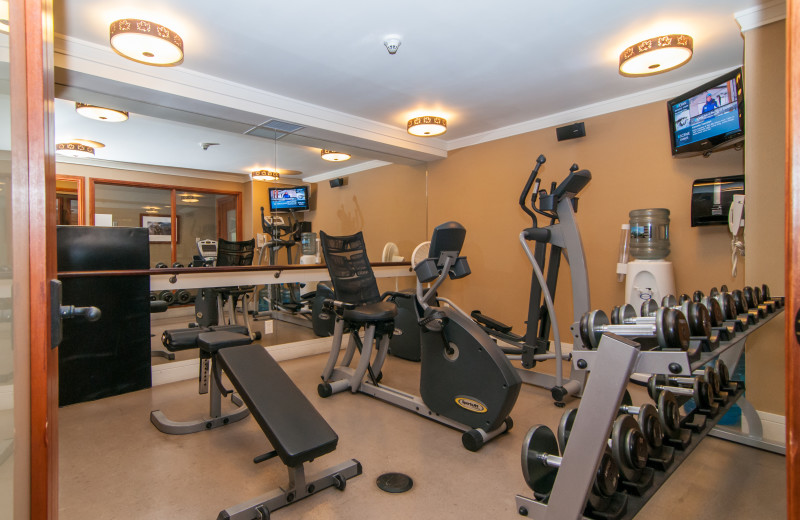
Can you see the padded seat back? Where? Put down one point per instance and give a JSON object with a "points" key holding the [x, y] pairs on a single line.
{"points": [[235, 253], [349, 268]]}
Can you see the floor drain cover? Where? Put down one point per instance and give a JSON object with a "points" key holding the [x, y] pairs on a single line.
{"points": [[395, 482]]}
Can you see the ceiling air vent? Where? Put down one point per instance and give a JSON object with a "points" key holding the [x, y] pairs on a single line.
{"points": [[274, 129]]}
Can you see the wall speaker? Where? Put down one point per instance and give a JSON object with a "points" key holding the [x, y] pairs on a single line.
{"points": [[335, 183], [572, 131]]}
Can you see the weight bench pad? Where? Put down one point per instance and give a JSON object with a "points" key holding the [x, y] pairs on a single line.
{"points": [[293, 426], [212, 342]]}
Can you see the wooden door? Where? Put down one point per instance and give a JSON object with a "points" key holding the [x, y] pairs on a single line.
{"points": [[792, 257], [33, 219], [228, 211]]}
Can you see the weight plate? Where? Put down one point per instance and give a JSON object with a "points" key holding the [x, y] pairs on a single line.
{"points": [[626, 399], [595, 321], [684, 298], [565, 427], [649, 308], [714, 292], [669, 413], [669, 301], [672, 329], [394, 482], [749, 297], [623, 314], [616, 318], [759, 296], [628, 447], [651, 427], [714, 311], [699, 319], [765, 292], [738, 300], [607, 478], [652, 388], [722, 372], [698, 296], [723, 288], [702, 393], [727, 305], [538, 443]]}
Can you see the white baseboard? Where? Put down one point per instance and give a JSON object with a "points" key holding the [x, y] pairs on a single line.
{"points": [[175, 371], [774, 426]]}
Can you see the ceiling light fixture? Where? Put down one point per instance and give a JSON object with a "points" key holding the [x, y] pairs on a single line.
{"points": [[89, 143], [146, 42], [109, 115], [73, 149], [4, 26], [330, 155], [656, 55], [427, 126], [264, 175], [190, 199]]}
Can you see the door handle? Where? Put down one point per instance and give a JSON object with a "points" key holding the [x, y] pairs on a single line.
{"points": [[59, 312]]}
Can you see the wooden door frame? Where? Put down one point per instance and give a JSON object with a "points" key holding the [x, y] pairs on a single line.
{"points": [[34, 256], [81, 195], [792, 257]]}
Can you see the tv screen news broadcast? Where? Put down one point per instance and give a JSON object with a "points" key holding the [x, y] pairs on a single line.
{"points": [[288, 199], [708, 116]]}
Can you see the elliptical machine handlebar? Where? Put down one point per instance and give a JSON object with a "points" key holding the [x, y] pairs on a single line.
{"points": [[524, 196]]}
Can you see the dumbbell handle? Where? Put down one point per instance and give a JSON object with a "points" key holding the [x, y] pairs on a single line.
{"points": [[551, 461], [631, 329], [632, 410], [677, 390]]}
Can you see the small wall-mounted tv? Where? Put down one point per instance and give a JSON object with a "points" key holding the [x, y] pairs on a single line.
{"points": [[708, 117], [288, 199]]}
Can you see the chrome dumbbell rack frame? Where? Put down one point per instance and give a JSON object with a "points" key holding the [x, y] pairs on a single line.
{"points": [[612, 364]]}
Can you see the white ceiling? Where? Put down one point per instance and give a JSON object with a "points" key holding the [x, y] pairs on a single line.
{"points": [[491, 68]]}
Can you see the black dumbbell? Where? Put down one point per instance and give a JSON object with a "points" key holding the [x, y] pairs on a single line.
{"points": [[670, 329], [697, 315], [628, 446], [651, 423], [541, 460], [167, 296], [766, 296], [725, 382], [183, 296], [670, 415], [728, 308], [754, 300], [161, 265], [744, 310], [700, 392], [698, 296], [153, 296], [177, 265]]}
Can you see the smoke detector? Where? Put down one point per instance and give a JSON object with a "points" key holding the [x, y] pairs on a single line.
{"points": [[392, 43]]}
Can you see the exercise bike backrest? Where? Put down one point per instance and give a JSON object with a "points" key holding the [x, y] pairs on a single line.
{"points": [[443, 259]]}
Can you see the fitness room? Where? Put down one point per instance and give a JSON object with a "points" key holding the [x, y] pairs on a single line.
{"points": [[530, 238]]}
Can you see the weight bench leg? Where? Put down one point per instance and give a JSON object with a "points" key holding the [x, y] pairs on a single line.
{"points": [[297, 489], [215, 419]]}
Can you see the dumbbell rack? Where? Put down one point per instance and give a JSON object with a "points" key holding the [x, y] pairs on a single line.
{"points": [[611, 366]]}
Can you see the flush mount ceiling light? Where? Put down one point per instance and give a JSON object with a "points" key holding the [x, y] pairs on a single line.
{"points": [[109, 115], [427, 126], [330, 155], [89, 143], [74, 149], [146, 42], [656, 55], [264, 175], [190, 199]]}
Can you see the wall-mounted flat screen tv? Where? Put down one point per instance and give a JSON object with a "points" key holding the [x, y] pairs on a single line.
{"points": [[708, 117], [288, 199]]}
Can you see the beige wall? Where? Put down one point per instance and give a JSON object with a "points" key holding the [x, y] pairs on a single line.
{"points": [[628, 153], [765, 128]]}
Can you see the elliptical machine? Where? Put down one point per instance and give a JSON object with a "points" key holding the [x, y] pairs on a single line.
{"points": [[560, 236], [466, 381]]}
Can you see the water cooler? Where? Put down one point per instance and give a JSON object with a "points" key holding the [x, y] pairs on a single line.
{"points": [[644, 246]]}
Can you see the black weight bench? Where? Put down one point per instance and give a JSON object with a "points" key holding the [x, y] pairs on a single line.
{"points": [[183, 339], [297, 432]]}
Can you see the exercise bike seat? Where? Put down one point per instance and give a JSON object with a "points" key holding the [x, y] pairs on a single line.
{"points": [[371, 312], [211, 342]]}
